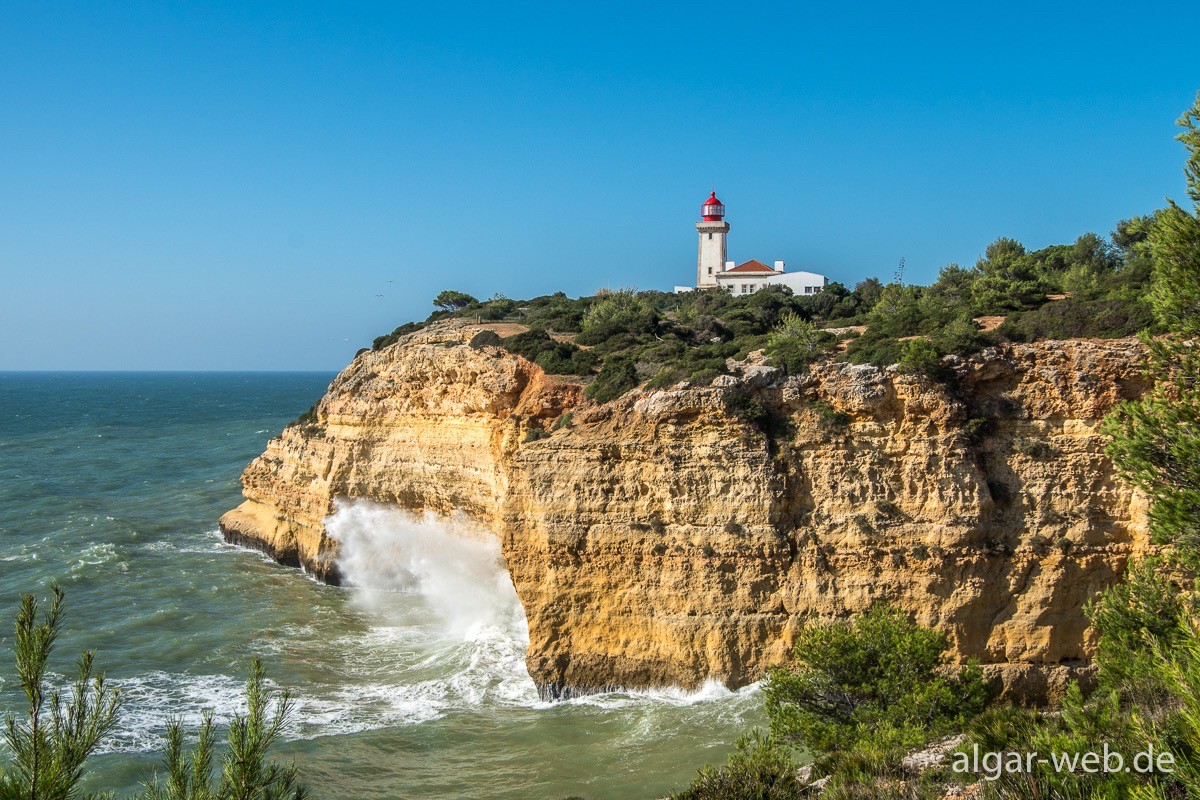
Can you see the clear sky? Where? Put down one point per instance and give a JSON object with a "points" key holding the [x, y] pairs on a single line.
{"points": [[232, 185]]}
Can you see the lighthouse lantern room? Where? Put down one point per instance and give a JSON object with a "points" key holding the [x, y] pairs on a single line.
{"points": [[713, 209]]}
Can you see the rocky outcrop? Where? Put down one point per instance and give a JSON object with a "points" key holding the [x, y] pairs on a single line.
{"points": [[674, 535]]}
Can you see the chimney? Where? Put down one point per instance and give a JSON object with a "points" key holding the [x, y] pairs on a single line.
{"points": [[779, 266], [729, 265]]}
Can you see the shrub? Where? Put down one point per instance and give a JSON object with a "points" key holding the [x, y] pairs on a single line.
{"points": [[979, 428], [623, 312], [921, 357], [485, 338], [874, 347], [617, 376], [534, 434], [1137, 619], [1034, 448], [566, 359], [555, 358], [307, 421], [499, 307], [878, 679], [704, 376], [556, 312], [830, 420], [1074, 318], [760, 769], [393, 337], [961, 337], [796, 343]]}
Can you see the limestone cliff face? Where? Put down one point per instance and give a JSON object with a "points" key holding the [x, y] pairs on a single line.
{"points": [[674, 535]]}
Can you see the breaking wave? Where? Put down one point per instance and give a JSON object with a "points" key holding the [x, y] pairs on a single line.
{"points": [[444, 587], [440, 630]]}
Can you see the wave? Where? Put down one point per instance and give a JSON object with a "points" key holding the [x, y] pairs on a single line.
{"points": [[432, 626], [150, 701], [456, 574], [452, 603], [94, 555]]}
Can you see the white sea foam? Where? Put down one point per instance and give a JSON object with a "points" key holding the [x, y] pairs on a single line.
{"points": [[210, 542], [467, 624], [95, 555], [444, 632], [455, 569], [151, 700]]}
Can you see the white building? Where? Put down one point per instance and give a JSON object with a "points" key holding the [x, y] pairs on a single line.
{"points": [[712, 270]]}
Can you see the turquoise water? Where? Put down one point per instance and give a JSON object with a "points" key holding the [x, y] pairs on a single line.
{"points": [[410, 684]]}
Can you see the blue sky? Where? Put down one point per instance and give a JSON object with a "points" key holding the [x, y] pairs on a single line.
{"points": [[230, 186]]}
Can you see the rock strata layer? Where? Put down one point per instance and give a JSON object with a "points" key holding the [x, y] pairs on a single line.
{"points": [[675, 535]]}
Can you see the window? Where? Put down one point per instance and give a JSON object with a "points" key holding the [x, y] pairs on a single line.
{"points": [[710, 270], [710, 236]]}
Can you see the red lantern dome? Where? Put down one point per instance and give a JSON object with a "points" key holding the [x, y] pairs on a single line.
{"points": [[713, 209]]}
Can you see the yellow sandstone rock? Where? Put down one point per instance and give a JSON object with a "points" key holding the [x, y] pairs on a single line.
{"points": [[676, 535]]}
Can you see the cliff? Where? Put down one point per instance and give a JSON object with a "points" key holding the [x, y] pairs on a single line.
{"points": [[679, 534]]}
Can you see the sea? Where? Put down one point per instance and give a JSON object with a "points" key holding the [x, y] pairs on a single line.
{"points": [[408, 683]]}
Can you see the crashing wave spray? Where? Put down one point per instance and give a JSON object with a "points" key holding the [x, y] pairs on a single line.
{"points": [[458, 577], [451, 599]]}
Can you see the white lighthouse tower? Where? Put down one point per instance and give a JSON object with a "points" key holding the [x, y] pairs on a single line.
{"points": [[713, 229]]}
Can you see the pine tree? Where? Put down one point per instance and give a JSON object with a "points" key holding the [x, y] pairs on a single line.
{"points": [[1156, 439], [52, 743], [246, 772]]}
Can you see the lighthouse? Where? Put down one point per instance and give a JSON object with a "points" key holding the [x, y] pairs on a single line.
{"points": [[712, 228]]}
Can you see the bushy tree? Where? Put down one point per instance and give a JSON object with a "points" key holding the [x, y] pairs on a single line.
{"points": [[878, 679], [898, 311], [1008, 279], [866, 293], [450, 300], [950, 294]]}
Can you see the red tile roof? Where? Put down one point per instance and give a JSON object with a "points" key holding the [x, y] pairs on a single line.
{"points": [[750, 266]]}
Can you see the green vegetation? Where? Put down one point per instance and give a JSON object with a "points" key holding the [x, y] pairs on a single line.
{"points": [[556, 358], [617, 376], [450, 300], [246, 773], [49, 747], [52, 743], [760, 769], [1098, 285], [858, 696], [876, 681]]}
